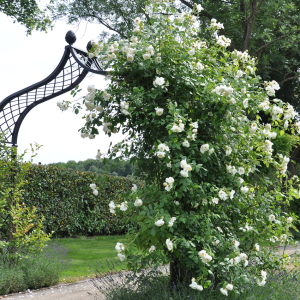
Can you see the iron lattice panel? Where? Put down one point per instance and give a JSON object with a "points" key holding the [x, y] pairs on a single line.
{"points": [[71, 70]]}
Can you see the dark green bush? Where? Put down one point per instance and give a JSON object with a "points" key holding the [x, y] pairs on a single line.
{"points": [[68, 204]]}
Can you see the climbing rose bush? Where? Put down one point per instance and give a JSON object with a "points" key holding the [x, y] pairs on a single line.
{"points": [[191, 113]]}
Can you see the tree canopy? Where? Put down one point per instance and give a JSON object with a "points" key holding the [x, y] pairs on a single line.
{"points": [[27, 13], [268, 29]]}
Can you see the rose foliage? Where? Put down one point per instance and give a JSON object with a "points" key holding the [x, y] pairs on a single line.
{"points": [[190, 110]]}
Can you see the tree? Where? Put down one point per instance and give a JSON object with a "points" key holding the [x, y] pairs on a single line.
{"points": [[191, 113], [27, 13], [268, 29]]}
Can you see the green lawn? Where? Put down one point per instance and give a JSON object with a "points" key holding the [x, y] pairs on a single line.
{"points": [[86, 252]]}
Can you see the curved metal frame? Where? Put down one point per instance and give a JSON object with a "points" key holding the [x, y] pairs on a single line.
{"points": [[71, 70]]}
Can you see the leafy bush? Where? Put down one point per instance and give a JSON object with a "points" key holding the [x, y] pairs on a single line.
{"points": [[65, 199]]}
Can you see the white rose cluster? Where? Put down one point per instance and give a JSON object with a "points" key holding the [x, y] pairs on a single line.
{"points": [[159, 81], [205, 257], [262, 281], [271, 87], [112, 207], [223, 90], [169, 183], [196, 286], [223, 41], [124, 106], [162, 149], [178, 128], [284, 165], [94, 188], [171, 222], [185, 168], [63, 105], [120, 248], [216, 25]]}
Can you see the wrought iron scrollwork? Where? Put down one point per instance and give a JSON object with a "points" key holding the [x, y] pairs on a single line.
{"points": [[72, 69]]}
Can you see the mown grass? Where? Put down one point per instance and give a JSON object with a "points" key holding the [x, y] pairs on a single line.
{"points": [[85, 252]]}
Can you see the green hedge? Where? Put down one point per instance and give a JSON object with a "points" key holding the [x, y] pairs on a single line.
{"points": [[68, 204]]}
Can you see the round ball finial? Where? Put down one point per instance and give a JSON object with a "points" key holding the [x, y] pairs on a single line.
{"points": [[89, 46], [70, 37]]}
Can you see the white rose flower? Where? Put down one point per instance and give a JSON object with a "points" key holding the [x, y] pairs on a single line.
{"points": [[241, 170], [152, 248], [159, 81], [93, 186], [211, 151], [200, 66], [184, 173], [223, 195], [289, 220], [204, 148], [186, 143], [231, 194], [123, 206], [236, 243], [146, 56], [215, 200], [130, 57], [256, 246], [176, 202], [169, 244], [216, 242], [138, 202], [228, 150], [229, 287], [170, 180], [224, 291], [159, 111], [95, 192], [121, 256], [161, 154], [120, 247], [241, 180], [134, 187], [244, 189], [199, 8], [243, 256], [176, 128], [271, 218], [159, 222]]}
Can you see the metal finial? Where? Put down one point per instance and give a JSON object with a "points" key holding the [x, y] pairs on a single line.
{"points": [[89, 46], [70, 37]]}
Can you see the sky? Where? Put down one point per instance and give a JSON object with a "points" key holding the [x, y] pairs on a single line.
{"points": [[26, 60]]}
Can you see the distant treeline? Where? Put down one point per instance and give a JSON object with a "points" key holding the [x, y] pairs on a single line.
{"points": [[110, 167]]}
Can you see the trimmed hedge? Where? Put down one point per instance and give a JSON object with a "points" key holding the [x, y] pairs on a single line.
{"points": [[68, 204]]}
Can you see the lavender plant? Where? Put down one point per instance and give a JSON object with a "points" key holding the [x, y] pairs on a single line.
{"points": [[192, 111], [153, 284], [33, 270]]}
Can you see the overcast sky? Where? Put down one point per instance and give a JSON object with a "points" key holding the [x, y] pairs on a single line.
{"points": [[28, 60]]}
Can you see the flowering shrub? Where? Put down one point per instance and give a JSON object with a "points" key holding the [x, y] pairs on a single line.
{"points": [[192, 112]]}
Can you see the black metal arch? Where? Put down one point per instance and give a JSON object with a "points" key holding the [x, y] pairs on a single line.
{"points": [[71, 70]]}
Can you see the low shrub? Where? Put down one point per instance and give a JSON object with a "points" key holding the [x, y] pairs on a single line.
{"points": [[33, 270], [153, 284]]}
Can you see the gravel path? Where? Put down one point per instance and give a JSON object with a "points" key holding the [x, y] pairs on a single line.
{"points": [[85, 289]]}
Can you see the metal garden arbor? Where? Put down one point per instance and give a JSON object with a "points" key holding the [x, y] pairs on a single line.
{"points": [[71, 70]]}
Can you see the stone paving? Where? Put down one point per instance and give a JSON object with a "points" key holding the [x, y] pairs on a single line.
{"points": [[85, 289]]}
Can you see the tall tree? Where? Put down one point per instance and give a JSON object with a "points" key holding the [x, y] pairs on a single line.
{"points": [[27, 13]]}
